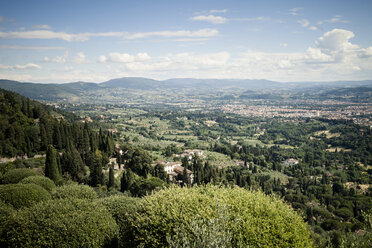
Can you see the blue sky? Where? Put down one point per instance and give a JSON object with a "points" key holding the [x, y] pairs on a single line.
{"points": [[67, 41]]}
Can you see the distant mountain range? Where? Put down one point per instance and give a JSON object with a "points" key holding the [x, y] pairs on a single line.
{"points": [[70, 91]]}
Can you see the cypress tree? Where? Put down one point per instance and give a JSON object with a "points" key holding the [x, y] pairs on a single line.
{"points": [[51, 166], [111, 182], [78, 163], [43, 137], [59, 164], [186, 179], [126, 180], [57, 137], [85, 142], [118, 160], [94, 161]]}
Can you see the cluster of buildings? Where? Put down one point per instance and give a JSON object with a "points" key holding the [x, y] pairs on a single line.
{"points": [[290, 161], [174, 169], [190, 154], [327, 109]]}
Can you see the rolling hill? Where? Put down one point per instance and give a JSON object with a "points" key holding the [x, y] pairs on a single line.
{"points": [[74, 91]]}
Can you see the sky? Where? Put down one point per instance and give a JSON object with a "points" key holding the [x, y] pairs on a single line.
{"points": [[94, 41]]}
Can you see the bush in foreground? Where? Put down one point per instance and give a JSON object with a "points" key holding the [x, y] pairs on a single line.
{"points": [[61, 223], [121, 208], [185, 217], [42, 181], [16, 175], [74, 191], [23, 195], [5, 211]]}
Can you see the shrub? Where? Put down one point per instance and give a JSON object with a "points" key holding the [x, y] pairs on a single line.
{"points": [[344, 212], [16, 175], [5, 211], [203, 233], [23, 195], [247, 218], [331, 224], [121, 208], [42, 181], [74, 191], [5, 167], [142, 187], [61, 223]]}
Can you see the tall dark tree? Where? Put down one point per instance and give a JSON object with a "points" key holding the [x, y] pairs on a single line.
{"points": [[94, 161], [160, 172], [111, 182], [72, 163], [51, 166], [126, 180], [186, 178]]}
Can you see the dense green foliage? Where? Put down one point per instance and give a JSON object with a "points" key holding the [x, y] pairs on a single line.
{"points": [[254, 219], [16, 175], [23, 195], [42, 181], [141, 187], [51, 167], [74, 191], [327, 178], [28, 127], [60, 223], [5, 211], [121, 208], [320, 166]]}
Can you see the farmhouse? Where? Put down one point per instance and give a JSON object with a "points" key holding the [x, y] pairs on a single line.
{"points": [[175, 169], [190, 153], [290, 161]]}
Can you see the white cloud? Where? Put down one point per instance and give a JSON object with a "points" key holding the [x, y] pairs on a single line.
{"points": [[102, 59], [26, 66], [332, 57], [315, 55], [201, 60], [304, 23], [259, 18], [199, 40], [40, 48], [283, 64], [47, 34], [212, 11], [210, 18], [181, 33], [336, 40], [1, 18], [57, 59], [142, 62], [44, 26], [79, 58], [296, 11], [125, 57], [337, 19], [81, 37]]}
